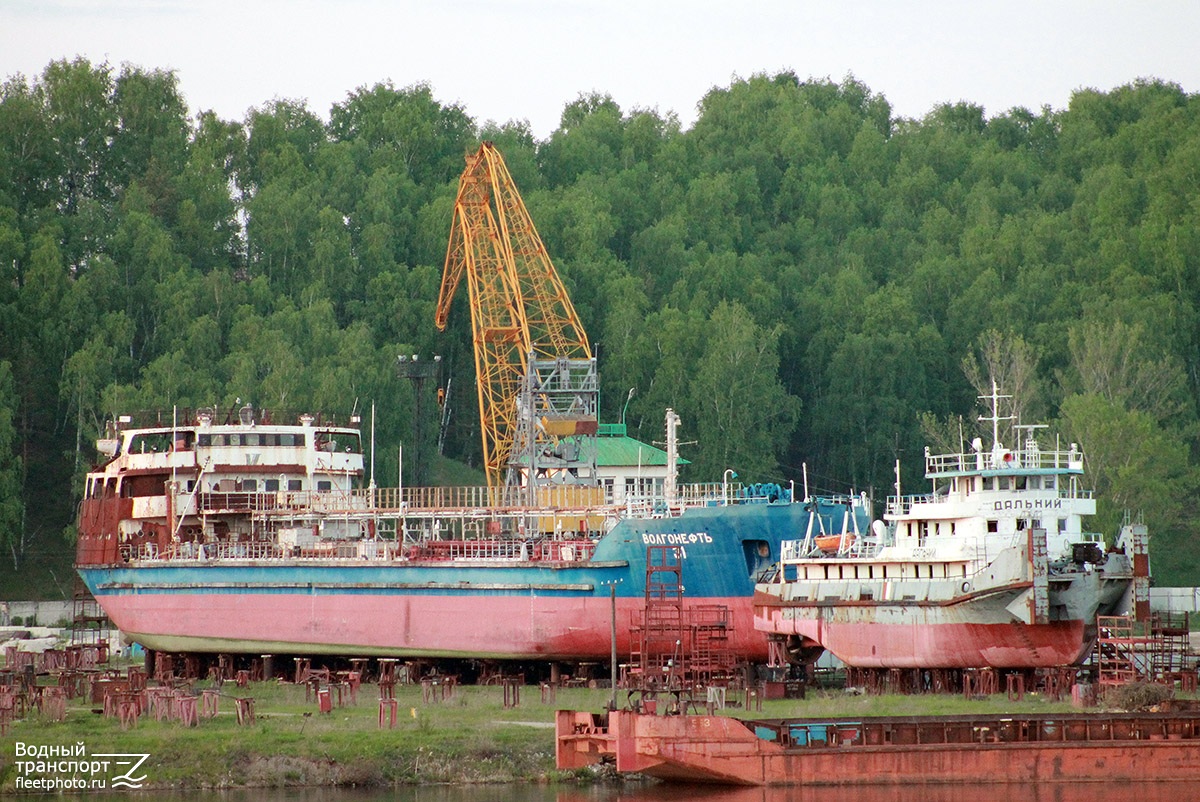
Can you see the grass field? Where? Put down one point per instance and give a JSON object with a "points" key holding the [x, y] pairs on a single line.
{"points": [[468, 738]]}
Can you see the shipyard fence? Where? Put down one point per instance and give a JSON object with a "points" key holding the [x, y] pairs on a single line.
{"points": [[1175, 600]]}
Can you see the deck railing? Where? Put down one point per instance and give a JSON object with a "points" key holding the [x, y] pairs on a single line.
{"points": [[423, 523], [561, 497], [1033, 460], [474, 498], [378, 550]]}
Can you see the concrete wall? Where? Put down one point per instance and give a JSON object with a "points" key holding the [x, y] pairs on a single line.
{"points": [[43, 613], [1175, 600]]}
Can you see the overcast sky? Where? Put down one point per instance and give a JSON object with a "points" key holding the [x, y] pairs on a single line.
{"points": [[526, 59]]}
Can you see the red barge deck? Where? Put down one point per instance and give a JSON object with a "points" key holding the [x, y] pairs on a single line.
{"points": [[1067, 748]]}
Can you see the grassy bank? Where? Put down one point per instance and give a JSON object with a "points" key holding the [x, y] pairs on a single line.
{"points": [[468, 738]]}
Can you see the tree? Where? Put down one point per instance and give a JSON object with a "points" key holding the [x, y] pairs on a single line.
{"points": [[404, 129], [82, 122], [588, 140], [150, 142], [1112, 361], [13, 534], [283, 214], [1006, 364], [27, 166], [1139, 469], [102, 360], [206, 224], [743, 411]]}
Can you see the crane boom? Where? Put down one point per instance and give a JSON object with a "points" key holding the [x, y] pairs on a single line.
{"points": [[534, 368]]}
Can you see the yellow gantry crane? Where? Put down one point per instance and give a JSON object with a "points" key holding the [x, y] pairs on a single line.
{"points": [[534, 368]]}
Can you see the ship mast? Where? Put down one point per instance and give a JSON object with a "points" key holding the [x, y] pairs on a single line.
{"points": [[670, 483], [995, 419]]}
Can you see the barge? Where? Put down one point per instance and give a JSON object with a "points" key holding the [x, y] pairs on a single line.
{"points": [[1071, 748]]}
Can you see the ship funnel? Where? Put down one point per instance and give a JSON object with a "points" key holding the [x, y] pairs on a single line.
{"points": [[246, 415]]}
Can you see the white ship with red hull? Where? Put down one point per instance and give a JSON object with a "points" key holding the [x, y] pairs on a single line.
{"points": [[989, 569]]}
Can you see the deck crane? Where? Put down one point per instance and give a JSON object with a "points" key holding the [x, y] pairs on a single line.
{"points": [[536, 375]]}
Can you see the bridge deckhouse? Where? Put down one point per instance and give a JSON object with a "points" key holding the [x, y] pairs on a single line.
{"points": [[244, 457], [980, 496]]}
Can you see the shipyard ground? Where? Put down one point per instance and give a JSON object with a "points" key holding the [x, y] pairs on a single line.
{"points": [[468, 737]]}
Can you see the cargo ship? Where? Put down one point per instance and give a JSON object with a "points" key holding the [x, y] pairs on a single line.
{"points": [[257, 536], [990, 568]]}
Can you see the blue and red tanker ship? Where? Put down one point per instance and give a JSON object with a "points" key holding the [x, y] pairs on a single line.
{"points": [[257, 537]]}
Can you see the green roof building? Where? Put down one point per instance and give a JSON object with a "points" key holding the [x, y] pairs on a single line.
{"points": [[629, 469]]}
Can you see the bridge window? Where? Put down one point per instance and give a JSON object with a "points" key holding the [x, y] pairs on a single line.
{"points": [[143, 486], [150, 442], [338, 441]]}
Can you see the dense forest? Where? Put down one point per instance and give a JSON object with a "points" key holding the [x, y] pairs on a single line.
{"points": [[806, 278]]}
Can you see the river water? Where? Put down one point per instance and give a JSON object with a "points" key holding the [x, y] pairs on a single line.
{"points": [[1098, 791]]}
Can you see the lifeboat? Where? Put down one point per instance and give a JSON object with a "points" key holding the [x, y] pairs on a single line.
{"points": [[835, 542]]}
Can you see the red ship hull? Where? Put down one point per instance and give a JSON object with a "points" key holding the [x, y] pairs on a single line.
{"points": [[504, 627], [925, 636]]}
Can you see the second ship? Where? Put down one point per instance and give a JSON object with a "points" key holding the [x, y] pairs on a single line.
{"points": [[990, 568]]}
